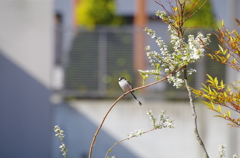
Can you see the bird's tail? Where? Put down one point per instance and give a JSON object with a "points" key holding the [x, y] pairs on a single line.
{"points": [[136, 99]]}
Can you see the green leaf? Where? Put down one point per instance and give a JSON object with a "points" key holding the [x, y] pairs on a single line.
{"points": [[211, 105], [210, 77], [222, 22], [157, 66], [228, 56], [219, 108], [204, 86], [234, 61], [209, 90], [221, 49], [222, 85], [216, 81], [225, 52], [157, 78], [228, 113]]}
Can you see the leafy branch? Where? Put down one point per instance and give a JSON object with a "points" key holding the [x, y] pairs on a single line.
{"points": [[229, 48], [217, 93]]}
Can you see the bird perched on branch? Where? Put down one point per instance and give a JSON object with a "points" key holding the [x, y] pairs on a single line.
{"points": [[126, 86]]}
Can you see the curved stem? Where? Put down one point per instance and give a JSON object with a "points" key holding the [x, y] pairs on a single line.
{"points": [[100, 126]]}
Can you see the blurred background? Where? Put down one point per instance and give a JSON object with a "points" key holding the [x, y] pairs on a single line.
{"points": [[60, 61]]}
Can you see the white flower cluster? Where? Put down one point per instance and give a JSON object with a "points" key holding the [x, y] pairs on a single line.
{"points": [[221, 150], [59, 132], [136, 133], [63, 149], [150, 32], [164, 17], [60, 135], [164, 120], [152, 118], [183, 53]]}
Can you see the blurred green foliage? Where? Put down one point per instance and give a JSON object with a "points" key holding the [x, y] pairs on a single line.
{"points": [[204, 17], [90, 13]]}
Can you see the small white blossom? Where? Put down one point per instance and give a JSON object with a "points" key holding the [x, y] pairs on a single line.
{"points": [[147, 48], [152, 118], [163, 122], [59, 132], [161, 14], [136, 133], [191, 71], [63, 149], [178, 82], [221, 151], [170, 78], [62, 146], [150, 32]]}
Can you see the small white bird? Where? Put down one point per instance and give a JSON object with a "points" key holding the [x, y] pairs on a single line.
{"points": [[126, 86]]}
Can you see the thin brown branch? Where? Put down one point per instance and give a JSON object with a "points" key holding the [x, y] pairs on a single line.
{"points": [[110, 149], [190, 15], [194, 115], [104, 118], [192, 6], [163, 7]]}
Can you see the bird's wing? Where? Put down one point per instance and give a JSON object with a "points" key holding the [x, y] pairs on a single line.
{"points": [[130, 85]]}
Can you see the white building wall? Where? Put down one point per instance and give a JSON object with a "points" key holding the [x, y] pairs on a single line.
{"points": [[26, 36], [128, 116]]}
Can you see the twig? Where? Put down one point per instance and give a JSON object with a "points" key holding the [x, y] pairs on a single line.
{"points": [[194, 115], [104, 118], [110, 149], [190, 15]]}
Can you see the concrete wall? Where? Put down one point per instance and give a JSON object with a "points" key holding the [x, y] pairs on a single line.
{"points": [[26, 54], [81, 119]]}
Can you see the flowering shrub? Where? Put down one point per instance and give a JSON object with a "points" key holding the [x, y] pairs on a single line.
{"points": [[182, 55]]}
